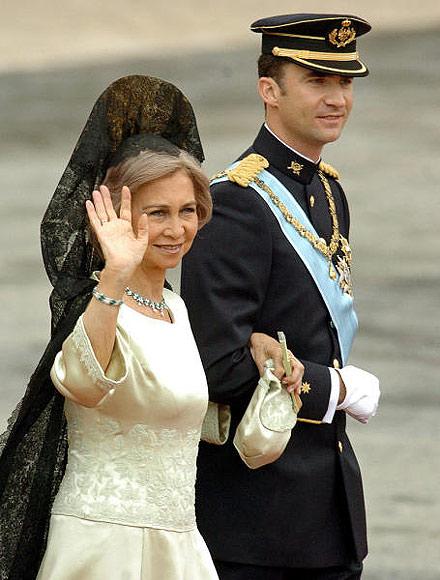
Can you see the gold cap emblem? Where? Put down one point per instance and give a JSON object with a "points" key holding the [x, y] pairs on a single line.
{"points": [[295, 167], [342, 36]]}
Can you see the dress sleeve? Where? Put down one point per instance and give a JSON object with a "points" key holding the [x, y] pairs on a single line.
{"points": [[77, 374]]}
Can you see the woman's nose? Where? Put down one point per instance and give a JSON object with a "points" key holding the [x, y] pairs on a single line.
{"points": [[175, 227]]}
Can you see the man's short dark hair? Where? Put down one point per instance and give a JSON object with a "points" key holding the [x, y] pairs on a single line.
{"points": [[272, 66]]}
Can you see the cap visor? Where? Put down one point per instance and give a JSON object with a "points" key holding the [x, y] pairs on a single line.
{"points": [[353, 68]]}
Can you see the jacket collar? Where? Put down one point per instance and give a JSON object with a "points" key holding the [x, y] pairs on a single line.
{"points": [[284, 158]]}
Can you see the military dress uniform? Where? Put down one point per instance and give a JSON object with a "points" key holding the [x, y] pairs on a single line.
{"points": [[305, 510]]}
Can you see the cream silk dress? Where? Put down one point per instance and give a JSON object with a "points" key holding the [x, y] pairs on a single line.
{"points": [[125, 508]]}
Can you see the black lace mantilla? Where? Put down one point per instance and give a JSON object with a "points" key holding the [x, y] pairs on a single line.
{"points": [[33, 449]]}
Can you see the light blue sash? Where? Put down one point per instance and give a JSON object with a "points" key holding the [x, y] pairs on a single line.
{"points": [[339, 304]]}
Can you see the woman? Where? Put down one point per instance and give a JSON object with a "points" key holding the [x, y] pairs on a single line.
{"points": [[135, 389], [135, 392]]}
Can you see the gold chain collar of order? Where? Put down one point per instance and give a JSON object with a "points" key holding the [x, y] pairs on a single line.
{"points": [[328, 250]]}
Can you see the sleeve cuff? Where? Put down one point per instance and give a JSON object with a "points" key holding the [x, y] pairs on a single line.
{"points": [[77, 374], [334, 396], [117, 369]]}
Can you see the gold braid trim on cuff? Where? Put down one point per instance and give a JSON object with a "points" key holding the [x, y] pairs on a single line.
{"points": [[311, 421]]}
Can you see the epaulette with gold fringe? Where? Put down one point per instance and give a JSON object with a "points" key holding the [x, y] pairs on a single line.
{"points": [[329, 170], [247, 169]]}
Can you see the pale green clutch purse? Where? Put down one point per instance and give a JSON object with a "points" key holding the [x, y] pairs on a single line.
{"points": [[266, 426]]}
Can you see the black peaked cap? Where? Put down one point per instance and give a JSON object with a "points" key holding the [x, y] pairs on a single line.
{"points": [[322, 42]]}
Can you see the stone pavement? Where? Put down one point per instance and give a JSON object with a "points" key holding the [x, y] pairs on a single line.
{"points": [[388, 158]]}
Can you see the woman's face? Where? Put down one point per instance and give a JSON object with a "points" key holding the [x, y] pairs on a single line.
{"points": [[171, 207]]}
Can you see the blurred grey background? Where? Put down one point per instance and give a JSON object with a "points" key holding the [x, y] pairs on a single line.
{"points": [[56, 60]]}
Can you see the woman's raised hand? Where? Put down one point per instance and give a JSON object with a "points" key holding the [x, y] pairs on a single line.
{"points": [[122, 247]]}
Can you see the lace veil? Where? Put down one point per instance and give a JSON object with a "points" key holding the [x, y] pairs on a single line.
{"points": [[33, 449]]}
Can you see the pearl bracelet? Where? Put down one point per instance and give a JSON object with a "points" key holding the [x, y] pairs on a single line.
{"points": [[105, 299]]}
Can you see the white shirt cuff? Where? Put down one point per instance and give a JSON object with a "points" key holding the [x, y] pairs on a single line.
{"points": [[334, 396]]}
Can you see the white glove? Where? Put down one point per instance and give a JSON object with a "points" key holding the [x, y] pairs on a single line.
{"points": [[362, 393]]}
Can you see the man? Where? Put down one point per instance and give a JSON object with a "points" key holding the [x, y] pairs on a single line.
{"points": [[276, 257]]}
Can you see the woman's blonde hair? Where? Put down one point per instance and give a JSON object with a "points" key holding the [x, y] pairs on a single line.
{"points": [[149, 165]]}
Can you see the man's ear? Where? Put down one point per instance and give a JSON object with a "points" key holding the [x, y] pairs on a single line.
{"points": [[269, 91]]}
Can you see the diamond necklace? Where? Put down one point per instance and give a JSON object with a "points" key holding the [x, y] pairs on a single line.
{"points": [[142, 301]]}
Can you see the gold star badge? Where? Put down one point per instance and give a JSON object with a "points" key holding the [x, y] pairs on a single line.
{"points": [[295, 167], [305, 388]]}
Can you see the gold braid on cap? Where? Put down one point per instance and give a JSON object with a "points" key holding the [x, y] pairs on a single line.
{"points": [[315, 55]]}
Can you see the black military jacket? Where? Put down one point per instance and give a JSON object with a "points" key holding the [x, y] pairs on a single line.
{"points": [[242, 276]]}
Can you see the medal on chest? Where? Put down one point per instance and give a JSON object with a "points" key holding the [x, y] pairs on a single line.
{"points": [[343, 267]]}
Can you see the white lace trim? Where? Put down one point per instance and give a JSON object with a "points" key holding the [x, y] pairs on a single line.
{"points": [[89, 361]]}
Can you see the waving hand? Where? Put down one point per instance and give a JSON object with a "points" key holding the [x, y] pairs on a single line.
{"points": [[122, 247]]}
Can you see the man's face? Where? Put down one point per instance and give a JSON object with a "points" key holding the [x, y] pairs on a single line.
{"points": [[312, 108]]}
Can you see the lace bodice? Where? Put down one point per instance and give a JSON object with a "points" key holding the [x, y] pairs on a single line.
{"points": [[132, 458]]}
